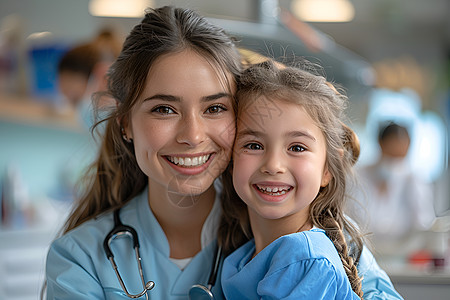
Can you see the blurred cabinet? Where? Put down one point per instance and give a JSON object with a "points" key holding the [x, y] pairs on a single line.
{"points": [[422, 286], [22, 262], [48, 147]]}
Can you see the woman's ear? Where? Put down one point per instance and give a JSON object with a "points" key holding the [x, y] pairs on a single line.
{"points": [[125, 129]]}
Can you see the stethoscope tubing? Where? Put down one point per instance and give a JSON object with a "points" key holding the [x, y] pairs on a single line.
{"points": [[124, 230], [120, 229]]}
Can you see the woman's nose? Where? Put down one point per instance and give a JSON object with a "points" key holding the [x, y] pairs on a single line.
{"points": [[273, 163], [191, 131]]}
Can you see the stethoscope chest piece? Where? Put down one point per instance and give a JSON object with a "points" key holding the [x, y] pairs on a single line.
{"points": [[200, 292]]}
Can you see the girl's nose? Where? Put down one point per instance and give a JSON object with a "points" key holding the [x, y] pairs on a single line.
{"points": [[191, 131], [273, 163]]}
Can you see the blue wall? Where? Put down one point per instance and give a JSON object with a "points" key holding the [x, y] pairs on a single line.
{"points": [[48, 159]]}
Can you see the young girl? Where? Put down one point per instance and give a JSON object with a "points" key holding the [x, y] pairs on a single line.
{"points": [[292, 156]]}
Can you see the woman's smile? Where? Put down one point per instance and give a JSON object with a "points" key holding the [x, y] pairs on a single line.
{"points": [[189, 161], [190, 165]]}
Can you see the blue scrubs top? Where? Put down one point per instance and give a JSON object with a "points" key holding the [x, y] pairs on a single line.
{"points": [[77, 267], [303, 265]]}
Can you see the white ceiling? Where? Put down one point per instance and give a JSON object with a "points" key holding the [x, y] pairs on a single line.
{"points": [[392, 27], [380, 29]]}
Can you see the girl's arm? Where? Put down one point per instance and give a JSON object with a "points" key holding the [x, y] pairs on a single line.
{"points": [[309, 279]]}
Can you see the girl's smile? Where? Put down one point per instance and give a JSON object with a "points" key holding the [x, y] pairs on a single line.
{"points": [[279, 160], [273, 192]]}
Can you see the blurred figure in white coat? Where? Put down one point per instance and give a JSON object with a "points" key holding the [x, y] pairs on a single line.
{"points": [[398, 203]]}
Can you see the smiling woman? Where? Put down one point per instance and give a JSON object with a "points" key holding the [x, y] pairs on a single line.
{"points": [[164, 146], [183, 142]]}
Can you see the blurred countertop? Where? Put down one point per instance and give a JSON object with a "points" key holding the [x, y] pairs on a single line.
{"points": [[38, 112], [411, 275]]}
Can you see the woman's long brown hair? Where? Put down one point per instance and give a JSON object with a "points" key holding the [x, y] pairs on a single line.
{"points": [[114, 178]]}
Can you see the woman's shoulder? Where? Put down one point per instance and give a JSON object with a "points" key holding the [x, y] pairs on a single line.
{"points": [[88, 233], [93, 230]]}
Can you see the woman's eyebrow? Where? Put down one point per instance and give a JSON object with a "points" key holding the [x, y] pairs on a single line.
{"points": [[216, 96], [172, 98], [164, 97]]}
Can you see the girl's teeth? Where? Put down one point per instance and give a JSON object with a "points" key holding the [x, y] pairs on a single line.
{"points": [[276, 191]]}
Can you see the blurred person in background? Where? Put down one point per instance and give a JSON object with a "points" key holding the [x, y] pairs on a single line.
{"points": [[82, 72], [398, 203]]}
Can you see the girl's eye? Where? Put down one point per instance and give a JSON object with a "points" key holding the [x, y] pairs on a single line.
{"points": [[297, 148], [253, 146], [164, 110], [215, 109]]}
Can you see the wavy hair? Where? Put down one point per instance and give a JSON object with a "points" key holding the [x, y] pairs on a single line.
{"points": [[326, 106], [115, 177]]}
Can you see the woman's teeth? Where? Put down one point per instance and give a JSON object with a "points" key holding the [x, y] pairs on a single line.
{"points": [[189, 161], [274, 191]]}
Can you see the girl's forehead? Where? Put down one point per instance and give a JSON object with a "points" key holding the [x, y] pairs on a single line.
{"points": [[268, 104], [261, 109]]}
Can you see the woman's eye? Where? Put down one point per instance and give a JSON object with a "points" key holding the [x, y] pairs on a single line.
{"points": [[297, 148], [215, 109], [253, 146], [164, 110]]}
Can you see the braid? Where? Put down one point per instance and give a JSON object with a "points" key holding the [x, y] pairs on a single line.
{"points": [[336, 235]]}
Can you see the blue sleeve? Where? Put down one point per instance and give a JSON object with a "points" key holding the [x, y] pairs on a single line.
{"points": [[309, 279], [70, 273], [376, 284]]}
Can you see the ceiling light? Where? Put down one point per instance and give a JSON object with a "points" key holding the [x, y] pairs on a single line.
{"points": [[119, 8], [323, 10]]}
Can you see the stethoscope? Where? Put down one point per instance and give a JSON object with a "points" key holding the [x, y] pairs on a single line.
{"points": [[196, 292]]}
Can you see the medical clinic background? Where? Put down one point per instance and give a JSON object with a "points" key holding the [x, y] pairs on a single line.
{"points": [[391, 57]]}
